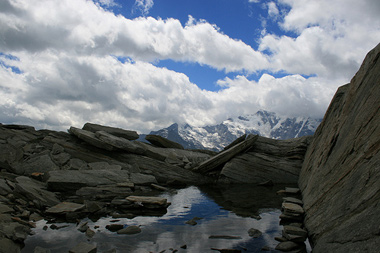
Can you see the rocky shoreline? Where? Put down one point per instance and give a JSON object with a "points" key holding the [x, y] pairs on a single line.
{"points": [[101, 170]]}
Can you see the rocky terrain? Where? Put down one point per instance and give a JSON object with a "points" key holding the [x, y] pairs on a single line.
{"points": [[216, 137], [97, 171]]}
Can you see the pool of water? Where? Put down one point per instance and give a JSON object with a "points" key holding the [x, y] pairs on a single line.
{"points": [[228, 211]]}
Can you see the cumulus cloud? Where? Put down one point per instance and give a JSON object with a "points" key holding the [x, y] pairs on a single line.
{"points": [[332, 37], [144, 6], [67, 53]]}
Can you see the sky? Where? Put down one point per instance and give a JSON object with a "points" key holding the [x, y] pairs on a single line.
{"points": [[145, 64]]}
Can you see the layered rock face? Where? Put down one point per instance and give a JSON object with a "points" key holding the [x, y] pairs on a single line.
{"points": [[340, 177]]}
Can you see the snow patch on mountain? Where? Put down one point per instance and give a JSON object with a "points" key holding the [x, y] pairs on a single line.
{"points": [[216, 137]]}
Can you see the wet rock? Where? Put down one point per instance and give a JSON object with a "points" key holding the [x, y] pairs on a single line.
{"points": [[193, 221], [291, 209], [226, 155], [293, 200], [114, 227], [84, 248], [90, 233], [227, 250], [287, 246], [127, 134], [149, 202], [162, 142], [83, 227], [255, 233], [7, 245], [39, 249], [65, 207], [130, 230], [14, 231], [227, 237]]}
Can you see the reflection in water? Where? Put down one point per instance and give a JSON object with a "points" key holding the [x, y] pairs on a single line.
{"points": [[224, 211]]}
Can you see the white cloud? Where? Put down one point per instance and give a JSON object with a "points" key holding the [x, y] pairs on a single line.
{"points": [[66, 51], [144, 6], [273, 10], [333, 37]]}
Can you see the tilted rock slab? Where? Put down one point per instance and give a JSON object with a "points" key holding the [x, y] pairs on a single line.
{"points": [[226, 155], [162, 142], [277, 160], [340, 178], [127, 134]]}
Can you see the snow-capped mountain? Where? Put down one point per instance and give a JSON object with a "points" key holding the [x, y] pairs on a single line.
{"points": [[216, 137]]}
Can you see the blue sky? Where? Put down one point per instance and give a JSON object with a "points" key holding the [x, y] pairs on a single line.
{"points": [[145, 64]]}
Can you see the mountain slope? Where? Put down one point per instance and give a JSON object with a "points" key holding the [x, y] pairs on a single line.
{"points": [[216, 137]]}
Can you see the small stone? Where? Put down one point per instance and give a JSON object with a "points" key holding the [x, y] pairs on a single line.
{"points": [[266, 183], [193, 221], [287, 246], [130, 230], [83, 227], [184, 246], [290, 190], [39, 249], [114, 227], [90, 233], [255, 233], [84, 248], [292, 209]]}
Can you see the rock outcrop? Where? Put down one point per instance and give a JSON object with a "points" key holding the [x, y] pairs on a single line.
{"points": [[340, 178]]}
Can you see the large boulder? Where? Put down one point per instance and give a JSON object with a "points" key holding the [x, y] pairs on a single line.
{"points": [[277, 160], [341, 172]]}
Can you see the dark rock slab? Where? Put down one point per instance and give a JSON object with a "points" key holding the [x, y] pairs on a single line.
{"points": [[84, 247], [90, 138], [162, 142], [119, 132], [130, 230], [277, 160], [68, 180], [7, 245], [119, 142], [226, 155], [34, 190], [65, 207], [340, 176]]}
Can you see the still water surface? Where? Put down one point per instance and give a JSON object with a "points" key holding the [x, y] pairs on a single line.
{"points": [[230, 211]]}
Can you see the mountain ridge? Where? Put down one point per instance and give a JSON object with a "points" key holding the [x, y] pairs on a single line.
{"points": [[216, 137]]}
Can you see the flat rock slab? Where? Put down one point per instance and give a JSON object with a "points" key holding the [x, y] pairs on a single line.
{"points": [[292, 209], [127, 134], [148, 200], [5, 209], [130, 230], [293, 200], [84, 248], [287, 246], [65, 207], [90, 138], [63, 180]]}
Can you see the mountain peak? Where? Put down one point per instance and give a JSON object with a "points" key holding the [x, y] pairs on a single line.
{"points": [[216, 137]]}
